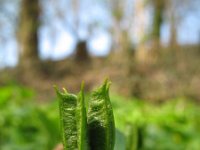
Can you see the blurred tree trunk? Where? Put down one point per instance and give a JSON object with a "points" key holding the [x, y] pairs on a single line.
{"points": [[81, 54], [140, 30], [28, 33], [173, 19], [159, 6], [124, 54], [81, 51], [121, 37], [173, 33]]}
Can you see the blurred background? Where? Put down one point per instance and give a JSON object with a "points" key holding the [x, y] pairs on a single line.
{"points": [[149, 49]]}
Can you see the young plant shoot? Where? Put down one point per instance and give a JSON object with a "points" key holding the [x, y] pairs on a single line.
{"points": [[77, 130], [101, 124], [73, 120]]}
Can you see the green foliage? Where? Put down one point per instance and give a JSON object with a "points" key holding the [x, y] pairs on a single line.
{"points": [[132, 137], [171, 125], [26, 125], [101, 124], [73, 120]]}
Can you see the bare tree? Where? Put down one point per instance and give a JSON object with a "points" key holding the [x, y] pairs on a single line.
{"points": [[140, 30], [28, 32], [74, 25], [122, 15], [176, 10], [158, 17]]}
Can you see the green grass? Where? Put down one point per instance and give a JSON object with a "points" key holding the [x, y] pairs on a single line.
{"points": [[27, 125]]}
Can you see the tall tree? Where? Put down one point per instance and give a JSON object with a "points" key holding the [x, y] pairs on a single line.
{"points": [[122, 22], [140, 30], [177, 10], [81, 47], [28, 32], [158, 13], [74, 24]]}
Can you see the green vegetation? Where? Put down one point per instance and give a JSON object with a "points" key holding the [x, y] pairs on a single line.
{"points": [[73, 120], [27, 125], [172, 125], [132, 141], [24, 124], [101, 124]]}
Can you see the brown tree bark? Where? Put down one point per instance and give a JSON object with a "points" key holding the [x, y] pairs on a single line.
{"points": [[159, 6], [173, 26], [173, 35], [28, 33], [81, 54]]}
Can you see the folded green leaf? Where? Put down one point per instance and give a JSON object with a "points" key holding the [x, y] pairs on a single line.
{"points": [[101, 125], [73, 120]]}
